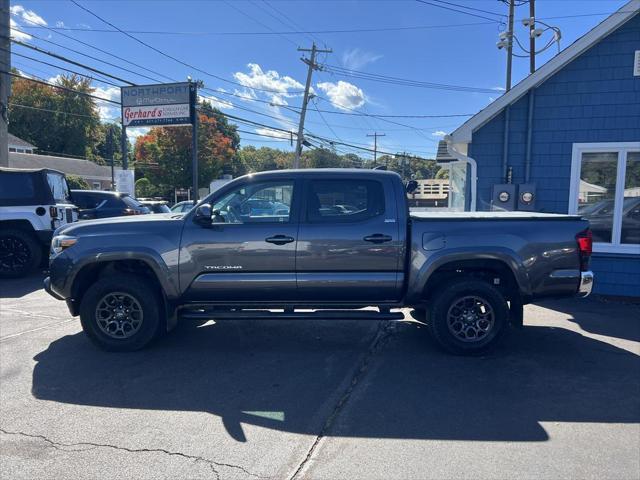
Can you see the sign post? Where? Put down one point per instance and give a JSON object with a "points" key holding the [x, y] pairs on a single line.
{"points": [[166, 104]]}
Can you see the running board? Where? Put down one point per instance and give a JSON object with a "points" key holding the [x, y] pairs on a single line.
{"points": [[309, 315]]}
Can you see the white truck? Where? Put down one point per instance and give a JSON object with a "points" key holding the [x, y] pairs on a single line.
{"points": [[33, 203]]}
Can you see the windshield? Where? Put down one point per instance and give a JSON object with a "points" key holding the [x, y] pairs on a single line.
{"points": [[131, 202], [59, 187]]}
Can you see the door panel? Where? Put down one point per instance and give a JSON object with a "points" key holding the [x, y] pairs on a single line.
{"points": [[348, 242], [249, 254]]}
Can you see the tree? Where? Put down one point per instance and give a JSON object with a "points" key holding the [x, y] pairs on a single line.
{"points": [[104, 148], [77, 183], [144, 188], [58, 121], [164, 154], [265, 158], [322, 158]]}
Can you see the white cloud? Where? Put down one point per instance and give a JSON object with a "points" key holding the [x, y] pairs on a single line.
{"points": [[217, 102], [269, 80], [28, 16], [273, 133], [499, 89], [83, 25], [355, 59], [107, 110], [18, 34], [134, 132], [439, 133], [343, 95], [60, 24]]}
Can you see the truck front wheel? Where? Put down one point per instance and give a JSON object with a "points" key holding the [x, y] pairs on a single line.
{"points": [[121, 312], [468, 317]]}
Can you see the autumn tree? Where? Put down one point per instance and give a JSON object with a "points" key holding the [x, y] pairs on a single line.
{"points": [[55, 119], [164, 154]]}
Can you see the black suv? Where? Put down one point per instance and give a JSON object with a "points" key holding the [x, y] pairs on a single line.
{"points": [[101, 204]]}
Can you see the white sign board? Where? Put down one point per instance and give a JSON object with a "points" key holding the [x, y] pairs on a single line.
{"points": [[125, 182], [163, 104], [636, 64]]}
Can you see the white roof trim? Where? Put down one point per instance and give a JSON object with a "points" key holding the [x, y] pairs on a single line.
{"points": [[463, 134]]}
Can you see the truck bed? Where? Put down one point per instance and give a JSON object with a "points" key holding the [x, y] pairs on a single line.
{"points": [[449, 215]]}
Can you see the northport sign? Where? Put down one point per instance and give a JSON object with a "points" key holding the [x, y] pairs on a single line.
{"points": [[162, 104]]}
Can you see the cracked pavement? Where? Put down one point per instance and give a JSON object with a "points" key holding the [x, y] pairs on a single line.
{"points": [[321, 400]]}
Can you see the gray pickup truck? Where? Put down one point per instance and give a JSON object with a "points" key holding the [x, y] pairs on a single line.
{"points": [[316, 244]]}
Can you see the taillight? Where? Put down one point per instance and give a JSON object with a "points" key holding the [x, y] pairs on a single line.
{"points": [[53, 211], [585, 247]]}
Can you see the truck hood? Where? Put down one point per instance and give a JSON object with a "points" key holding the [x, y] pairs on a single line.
{"points": [[129, 224]]}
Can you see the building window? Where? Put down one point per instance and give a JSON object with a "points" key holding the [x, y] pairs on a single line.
{"points": [[12, 149], [605, 189], [96, 185]]}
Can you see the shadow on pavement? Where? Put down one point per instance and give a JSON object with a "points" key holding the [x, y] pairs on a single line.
{"points": [[609, 318], [19, 287], [287, 376]]}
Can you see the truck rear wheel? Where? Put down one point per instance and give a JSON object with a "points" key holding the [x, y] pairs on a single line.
{"points": [[121, 313], [20, 253], [468, 317]]}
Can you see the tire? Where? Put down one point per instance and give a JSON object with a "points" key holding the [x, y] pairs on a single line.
{"points": [[122, 313], [20, 253], [468, 317]]}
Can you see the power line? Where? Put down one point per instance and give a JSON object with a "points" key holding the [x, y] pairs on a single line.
{"points": [[63, 68], [79, 92], [402, 81], [456, 10], [68, 60], [141, 42], [471, 8], [274, 32], [62, 112]]}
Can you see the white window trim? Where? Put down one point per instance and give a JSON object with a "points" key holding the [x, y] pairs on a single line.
{"points": [[622, 148]]}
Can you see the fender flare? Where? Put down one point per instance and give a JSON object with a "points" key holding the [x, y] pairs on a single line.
{"points": [[439, 259]]}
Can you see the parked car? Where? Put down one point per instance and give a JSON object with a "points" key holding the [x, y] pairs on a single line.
{"points": [[182, 207], [156, 206], [33, 203], [94, 204], [128, 279]]}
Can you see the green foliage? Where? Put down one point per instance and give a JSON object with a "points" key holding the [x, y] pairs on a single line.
{"points": [[144, 188], [77, 183], [72, 132]]}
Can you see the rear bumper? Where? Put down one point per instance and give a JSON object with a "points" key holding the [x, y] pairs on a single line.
{"points": [[586, 283]]}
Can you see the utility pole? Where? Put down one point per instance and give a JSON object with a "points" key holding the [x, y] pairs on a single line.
{"points": [[312, 66], [532, 37], [375, 136], [5, 82], [510, 44], [110, 149]]}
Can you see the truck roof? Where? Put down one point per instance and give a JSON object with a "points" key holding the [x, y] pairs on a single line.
{"points": [[308, 172]]}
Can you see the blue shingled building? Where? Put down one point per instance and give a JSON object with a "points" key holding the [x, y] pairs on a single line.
{"points": [[567, 140]]}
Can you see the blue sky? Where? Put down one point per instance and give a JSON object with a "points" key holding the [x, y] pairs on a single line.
{"points": [[222, 38]]}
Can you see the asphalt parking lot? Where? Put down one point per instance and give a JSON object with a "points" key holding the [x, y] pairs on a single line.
{"points": [[321, 400]]}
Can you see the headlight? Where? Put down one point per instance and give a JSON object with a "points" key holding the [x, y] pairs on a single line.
{"points": [[62, 242]]}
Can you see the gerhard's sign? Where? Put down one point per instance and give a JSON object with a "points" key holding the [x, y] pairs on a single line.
{"points": [[163, 104]]}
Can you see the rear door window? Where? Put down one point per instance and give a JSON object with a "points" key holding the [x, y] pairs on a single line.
{"points": [[58, 186], [344, 200]]}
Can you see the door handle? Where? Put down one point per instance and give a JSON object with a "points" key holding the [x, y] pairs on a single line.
{"points": [[377, 238], [279, 239]]}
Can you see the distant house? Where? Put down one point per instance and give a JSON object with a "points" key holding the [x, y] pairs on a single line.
{"points": [[20, 146], [97, 176], [566, 139]]}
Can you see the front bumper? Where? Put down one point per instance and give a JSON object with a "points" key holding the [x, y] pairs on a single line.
{"points": [[47, 288], [586, 283]]}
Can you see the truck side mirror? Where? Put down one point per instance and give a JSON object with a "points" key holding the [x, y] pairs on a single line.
{"points": [[203, 214], [412, 186]]}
